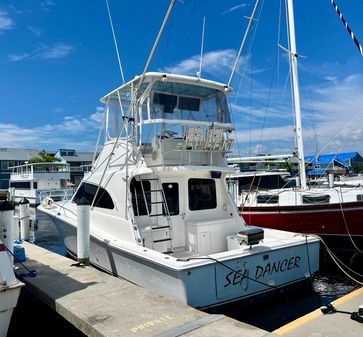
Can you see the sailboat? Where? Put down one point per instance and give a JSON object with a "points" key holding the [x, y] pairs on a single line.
{"points": [[331, 212], [161, 215]]}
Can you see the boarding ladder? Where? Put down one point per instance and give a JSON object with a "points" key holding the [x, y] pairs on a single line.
{"points": [[159, 233]]}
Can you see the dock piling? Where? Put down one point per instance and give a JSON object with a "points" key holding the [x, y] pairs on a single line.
{"points": [[24, 216], [83, 231], [6, 227]]}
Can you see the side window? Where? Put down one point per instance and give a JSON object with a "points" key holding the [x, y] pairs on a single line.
{"points": [[202, 194], [138, 200], [88, 191], [22, 185], [171, 192]]}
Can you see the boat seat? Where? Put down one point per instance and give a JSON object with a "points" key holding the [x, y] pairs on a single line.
{"points": [[214, 139], [194, 138]]}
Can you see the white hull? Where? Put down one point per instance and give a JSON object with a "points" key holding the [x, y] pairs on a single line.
{"points": [[241, 273], [9, 290], [8, 300]]}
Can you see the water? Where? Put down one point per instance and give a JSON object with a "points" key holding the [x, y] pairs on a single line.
{"points": [[270, 313]]}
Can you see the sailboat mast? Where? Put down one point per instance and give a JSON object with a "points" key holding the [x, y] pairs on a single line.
{"points": [[296, 93]]}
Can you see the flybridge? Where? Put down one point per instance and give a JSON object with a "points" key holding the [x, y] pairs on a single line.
{"points": [[171, 113]]}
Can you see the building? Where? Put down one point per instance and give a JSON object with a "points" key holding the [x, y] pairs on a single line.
{"points": [[12, 157], [79, 162], [263, 163], [337, 163]]}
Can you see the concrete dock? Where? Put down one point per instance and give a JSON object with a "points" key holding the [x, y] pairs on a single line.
{"points": [[99, 304], [335, 324]]}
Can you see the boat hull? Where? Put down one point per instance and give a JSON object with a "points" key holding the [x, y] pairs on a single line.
{"points": [[326, 220], [242, 275], [8, 300]]}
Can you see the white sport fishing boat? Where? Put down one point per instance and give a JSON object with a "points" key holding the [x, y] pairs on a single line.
{"points": [[161, 215]]}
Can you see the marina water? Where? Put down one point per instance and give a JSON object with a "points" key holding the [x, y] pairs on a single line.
{"points": [[269, 313]]}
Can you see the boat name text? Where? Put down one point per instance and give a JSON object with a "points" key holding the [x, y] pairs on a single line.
{"points": [[237, 276]]}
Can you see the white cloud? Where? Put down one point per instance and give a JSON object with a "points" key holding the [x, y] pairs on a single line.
{"points": [[58, 50], [234, 8], [332, 118], [44, 52], [17, 57], [6, 23], [47, 5], [79, 132], [35, 30], [213, 62]]}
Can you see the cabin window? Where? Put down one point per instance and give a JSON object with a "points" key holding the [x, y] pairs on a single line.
{"points": [[267, 199], [88, 191], [268, 182], [359, 197], [316, 199], [168, 102], [21, 185], [189, 103], [138, 199], [35, 185], [171, 192], [202, 194]]}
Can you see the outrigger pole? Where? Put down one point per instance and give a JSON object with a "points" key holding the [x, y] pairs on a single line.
{"points": [[114, 40], [351, 34], [251, 19], [172, 2]]}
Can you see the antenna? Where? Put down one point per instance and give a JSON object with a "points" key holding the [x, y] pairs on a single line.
{"points": [[251, 19], [114, 40], [199, 73]]}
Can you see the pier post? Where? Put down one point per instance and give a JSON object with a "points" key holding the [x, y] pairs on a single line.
{"points": [[83, 231], [24, 219], [6, 227], [331, 180], [16, 227]]}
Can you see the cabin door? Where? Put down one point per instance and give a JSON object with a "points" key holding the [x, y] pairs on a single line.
{"points": [[174, 191]]}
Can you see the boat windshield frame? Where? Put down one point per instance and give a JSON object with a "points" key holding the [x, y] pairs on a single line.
{"points": [[167, 99]]}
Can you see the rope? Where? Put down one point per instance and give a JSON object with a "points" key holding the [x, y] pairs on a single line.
{"points": [[339, 262], [255, 27], [30, 273], [345, 23], [345, 223]]}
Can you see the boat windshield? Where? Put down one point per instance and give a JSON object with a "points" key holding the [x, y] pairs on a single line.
{"points": [[185, 102], [167, 102]]}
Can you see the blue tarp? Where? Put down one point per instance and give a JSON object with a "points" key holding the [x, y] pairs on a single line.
{"points": [[328, 158], [318, 172]]}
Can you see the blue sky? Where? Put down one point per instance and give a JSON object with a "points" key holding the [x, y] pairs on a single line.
{"points": [[57, 58]]}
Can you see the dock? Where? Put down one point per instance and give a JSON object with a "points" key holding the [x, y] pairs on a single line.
{"points": [[99, 304], [334, 324]]}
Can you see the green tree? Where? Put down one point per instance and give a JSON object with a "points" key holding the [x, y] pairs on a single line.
{"points": [[287, 166], [44, 157], [358, 167]]}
